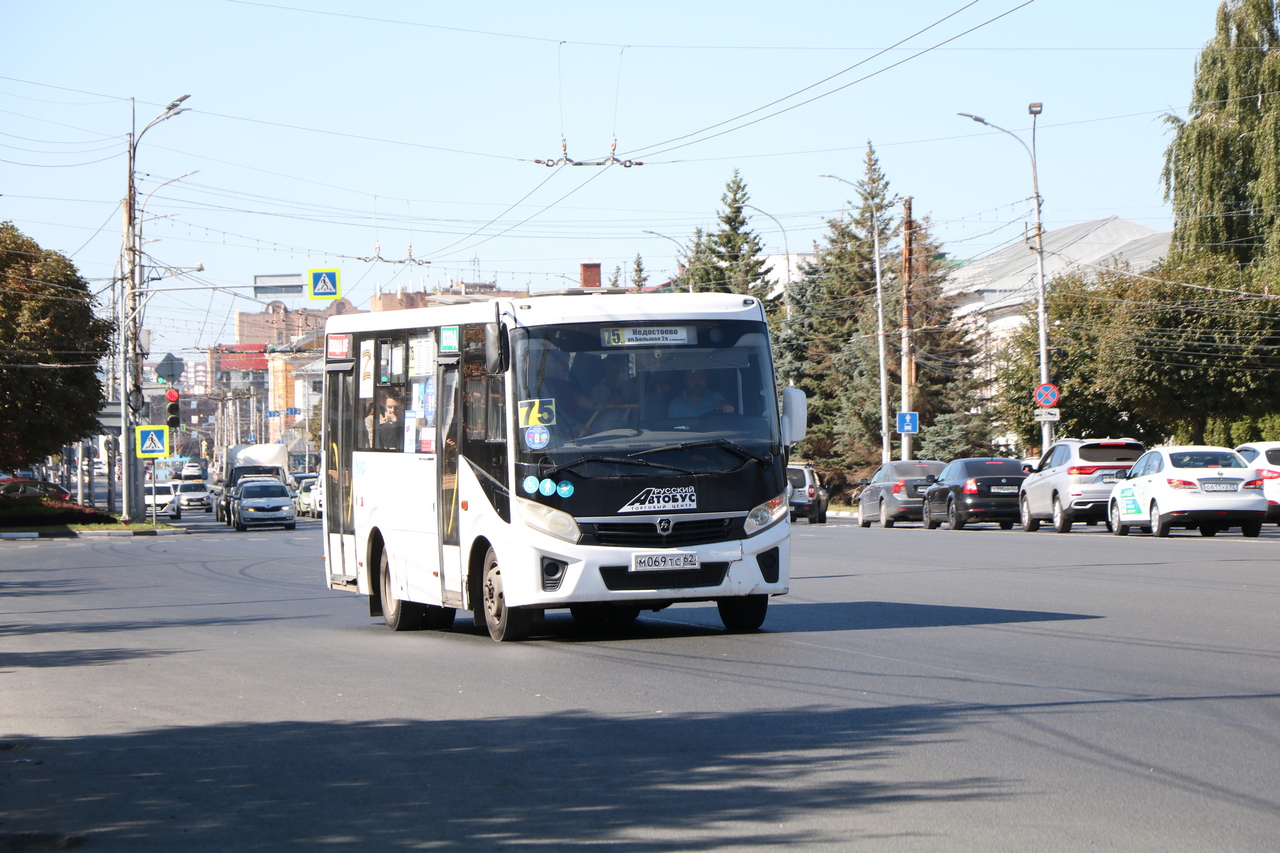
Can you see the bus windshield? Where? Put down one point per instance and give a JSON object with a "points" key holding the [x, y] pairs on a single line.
{"points": [[631, 399]]}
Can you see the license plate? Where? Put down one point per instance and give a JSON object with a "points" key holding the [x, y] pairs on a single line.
{"points": [[665, 561], [1218, 487], [1107, 478], [1004, 490]]}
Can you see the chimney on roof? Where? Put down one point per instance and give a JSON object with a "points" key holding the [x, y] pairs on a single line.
{"points": [[590, 272]]}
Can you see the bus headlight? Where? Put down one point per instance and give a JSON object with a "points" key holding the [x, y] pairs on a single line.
{"points": [[553, 522], [766, 515]]}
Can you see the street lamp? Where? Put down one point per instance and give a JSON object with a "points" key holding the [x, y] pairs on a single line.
{"points": [[884, 370], [786, 282], [130, 492], [1046, 427], [682, 249]]}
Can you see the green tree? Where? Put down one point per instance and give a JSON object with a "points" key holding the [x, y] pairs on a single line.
{"points": [[615, 279], [729, 259], [50, 345], [1222, 169], [639, 278]]}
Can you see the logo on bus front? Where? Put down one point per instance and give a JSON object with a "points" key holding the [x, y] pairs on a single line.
{"points": [[673, 497]]}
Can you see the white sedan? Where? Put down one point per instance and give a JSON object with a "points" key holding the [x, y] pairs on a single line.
{"points": [[1265, 456], [1209, 488]]}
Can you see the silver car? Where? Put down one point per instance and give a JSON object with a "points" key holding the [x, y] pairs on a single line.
{"points": [[896, 492], [1073, 481]]}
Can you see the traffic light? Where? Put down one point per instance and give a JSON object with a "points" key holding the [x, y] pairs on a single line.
{"points": [[174, 419]]}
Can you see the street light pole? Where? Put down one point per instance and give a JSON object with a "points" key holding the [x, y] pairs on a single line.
{"points": [[130, 364], [1046, 427], [682, 248], [786, 282], [885, 441]]}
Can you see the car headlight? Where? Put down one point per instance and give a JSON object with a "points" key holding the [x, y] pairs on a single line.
{"points": [[766, 515], [553, 522]]}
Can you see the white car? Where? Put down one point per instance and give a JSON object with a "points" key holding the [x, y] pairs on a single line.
{"points": [[1265, 456], [1209, 488], [163, 498], [257, 503], [194, 494]]}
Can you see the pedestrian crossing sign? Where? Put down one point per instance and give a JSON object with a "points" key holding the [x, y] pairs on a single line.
{"points": [[152, 442], [324, 284]]}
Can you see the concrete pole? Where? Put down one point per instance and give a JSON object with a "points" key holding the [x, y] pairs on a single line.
{"points": [[907, 361]]}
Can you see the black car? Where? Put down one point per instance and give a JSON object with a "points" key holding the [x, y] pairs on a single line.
{"points": [[974, 490]]}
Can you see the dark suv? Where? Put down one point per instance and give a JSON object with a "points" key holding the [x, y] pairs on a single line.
{"points": [[808, 494]]}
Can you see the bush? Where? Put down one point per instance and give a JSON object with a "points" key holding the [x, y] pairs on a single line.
{"points": [[31, 511]]}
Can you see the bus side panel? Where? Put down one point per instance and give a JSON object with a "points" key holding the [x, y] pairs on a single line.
{"points": [[404, 515]]}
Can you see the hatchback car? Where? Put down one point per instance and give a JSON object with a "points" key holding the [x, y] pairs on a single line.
{"points": [[1265, 456], [259, 503], [896, 492], [161, 499], [808, 494], [1072, 481], [974, 490], [302, 497], [193, 494], [37, 488], [1209, 488]]}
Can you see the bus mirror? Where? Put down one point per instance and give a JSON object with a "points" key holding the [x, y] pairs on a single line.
{"points": [[497, 348], [794, 416]]}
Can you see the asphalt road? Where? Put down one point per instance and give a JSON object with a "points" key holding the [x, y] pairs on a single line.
{"points": [[918, 690]]}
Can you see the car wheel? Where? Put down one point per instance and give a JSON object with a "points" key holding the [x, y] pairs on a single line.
{"points": [[1029, 524], [1113, 520], [926, 516], [208, 509], [1006, 525], [177, 515], [1208, 530], [885, 521], [1061, 521], [1251, 528], [293, 526], [863, 521], [1159, 526], [954, 522]]}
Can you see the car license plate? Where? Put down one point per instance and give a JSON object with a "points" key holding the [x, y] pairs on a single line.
{"points": [[665, 561], [1107, 478], [1218, 487], [1004, 490]]}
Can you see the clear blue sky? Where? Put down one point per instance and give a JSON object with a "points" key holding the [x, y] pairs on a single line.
{"points": [[323, 129]]}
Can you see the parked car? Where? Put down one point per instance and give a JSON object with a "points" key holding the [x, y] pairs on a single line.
{"points": [[164, 498], [194, 494], [974, 490], [1209, 488], [896, 492], [1072, 481], [808, 494], [38, 488], [1265, 456], [302, 496], [261, 503]]}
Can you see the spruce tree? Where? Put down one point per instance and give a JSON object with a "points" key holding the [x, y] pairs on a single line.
{"points": [[639, 278]]}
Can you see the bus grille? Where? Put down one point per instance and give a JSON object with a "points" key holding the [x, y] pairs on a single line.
{"points": [[644, 534], [618, 578]]}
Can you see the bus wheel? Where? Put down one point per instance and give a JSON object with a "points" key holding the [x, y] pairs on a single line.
{"points": [[504, 623], [743, 613], [399, 615]]}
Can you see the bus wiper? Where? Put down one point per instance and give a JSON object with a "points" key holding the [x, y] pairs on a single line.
{"points": [[763, 461], [623, 460]]}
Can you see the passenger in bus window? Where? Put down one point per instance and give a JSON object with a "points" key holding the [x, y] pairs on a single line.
{"points": [[388, 433], [613, 399], [555, 384], [697, 399]]}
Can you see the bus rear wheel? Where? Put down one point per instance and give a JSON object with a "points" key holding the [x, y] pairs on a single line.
{"points": [[504, 623], [743, 613], [399, 615]]}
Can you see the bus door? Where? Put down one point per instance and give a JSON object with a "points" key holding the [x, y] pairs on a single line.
{"points": [[339, 526], [447, 442]]}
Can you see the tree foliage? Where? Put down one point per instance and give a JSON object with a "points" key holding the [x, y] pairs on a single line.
{"points": [[50, 345], [729, 259]]}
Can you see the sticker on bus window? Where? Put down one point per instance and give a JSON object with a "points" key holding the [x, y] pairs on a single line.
{"points": [[537, 412], [631, 336], [537, 437], [530, 485]]}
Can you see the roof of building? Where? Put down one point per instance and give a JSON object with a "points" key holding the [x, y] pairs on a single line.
{"points": [[1004, 281]]}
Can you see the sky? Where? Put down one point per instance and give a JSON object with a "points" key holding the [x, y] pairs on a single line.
{"points": [[378, 136]]}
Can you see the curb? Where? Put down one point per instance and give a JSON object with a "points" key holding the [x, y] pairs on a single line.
{"points": [[92, 534]]}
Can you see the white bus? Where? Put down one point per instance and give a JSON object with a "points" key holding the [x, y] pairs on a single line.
{"points": [[602, 452]]}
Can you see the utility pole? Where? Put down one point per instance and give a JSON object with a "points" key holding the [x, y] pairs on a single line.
{"points": [[908, 363]]}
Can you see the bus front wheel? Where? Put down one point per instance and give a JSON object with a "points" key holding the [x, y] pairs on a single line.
{"points": [[743, 613], [504, 623]]}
